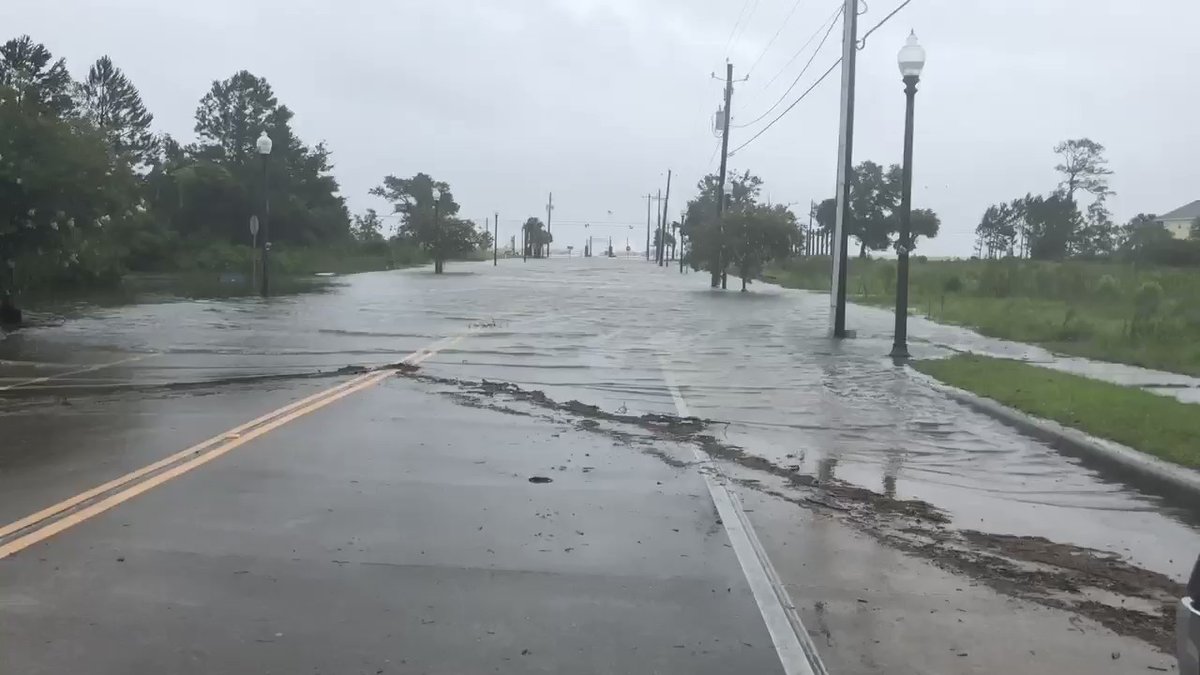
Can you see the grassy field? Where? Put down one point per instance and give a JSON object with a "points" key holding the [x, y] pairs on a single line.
{"points": [[1156, 425], [1148, 316]]}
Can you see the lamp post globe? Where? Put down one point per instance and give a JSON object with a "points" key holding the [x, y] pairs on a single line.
{"points": [[264, 144], [911, 58], [911, 61]]}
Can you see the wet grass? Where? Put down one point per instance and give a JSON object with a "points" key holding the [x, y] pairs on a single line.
{"points": [[1088, 309], [1156, 425]]}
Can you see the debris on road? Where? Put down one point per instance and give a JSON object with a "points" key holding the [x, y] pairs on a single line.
{"points": [[1052, 574]]}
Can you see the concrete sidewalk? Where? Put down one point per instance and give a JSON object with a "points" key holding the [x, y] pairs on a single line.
{"points": [[396, 531]]}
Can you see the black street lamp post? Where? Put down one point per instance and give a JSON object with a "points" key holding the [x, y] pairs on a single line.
{"points": [[263, 146], [912, 60]]}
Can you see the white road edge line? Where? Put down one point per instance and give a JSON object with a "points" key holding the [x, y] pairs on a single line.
{"points": [[79, 371], [797, 654]]}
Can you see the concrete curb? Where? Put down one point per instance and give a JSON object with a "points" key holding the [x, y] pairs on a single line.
{"points": [[1152, 468]]}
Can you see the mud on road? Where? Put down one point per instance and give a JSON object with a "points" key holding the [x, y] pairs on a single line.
{"points": [[1127, 599]]}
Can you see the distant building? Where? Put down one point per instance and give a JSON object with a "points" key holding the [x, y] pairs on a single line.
{"points": [[1179, 221]]}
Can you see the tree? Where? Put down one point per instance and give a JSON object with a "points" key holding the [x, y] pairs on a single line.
{"points": [[922, 223], [874, 217], [367, 227], [1053, 224], [483, 239], [57, 187], [758, 235], [701, 226], [1098, 235], [1142, 237], [234, 112], [220, 182], [438, 231], [111, 102], [997, 231], [1083, 166], [30, 75], [825, 213], [874, 196], [1194, 230], [536, 237]]}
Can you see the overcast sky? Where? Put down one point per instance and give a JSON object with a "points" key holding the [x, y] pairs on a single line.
{"points": [[594, 100]]}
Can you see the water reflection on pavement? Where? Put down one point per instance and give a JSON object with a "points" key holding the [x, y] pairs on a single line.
{"points": [[603, 331]]}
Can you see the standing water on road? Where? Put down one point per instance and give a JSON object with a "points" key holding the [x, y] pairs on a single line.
{"points": [[619, 334]]}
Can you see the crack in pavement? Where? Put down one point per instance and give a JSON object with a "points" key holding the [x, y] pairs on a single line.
{"points": [[1127, 599]]}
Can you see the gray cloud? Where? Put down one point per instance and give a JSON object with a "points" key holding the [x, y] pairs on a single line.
{"points": [[594, 100]]}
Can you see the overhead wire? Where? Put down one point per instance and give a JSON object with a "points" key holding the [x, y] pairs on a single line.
{"points": [[860, 45], [774, 37], [862, 41], [789, 108], [796, 81], [832, 17], [737, 23], [746, 21]]}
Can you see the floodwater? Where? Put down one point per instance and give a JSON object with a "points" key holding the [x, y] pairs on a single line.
{"points": [[614, 332]]}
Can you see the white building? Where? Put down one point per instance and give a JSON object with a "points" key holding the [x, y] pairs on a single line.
{"points": [[1179, 221]]}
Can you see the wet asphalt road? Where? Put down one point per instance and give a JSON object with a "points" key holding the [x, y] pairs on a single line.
{"points": [[396, 530]]}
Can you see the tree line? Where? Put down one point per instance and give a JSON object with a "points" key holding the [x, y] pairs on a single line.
{"points": [[89, 190], [1052, 227], [750, 234]]}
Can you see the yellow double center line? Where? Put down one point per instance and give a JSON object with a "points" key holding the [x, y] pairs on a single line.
{"points": [[90, 503]]}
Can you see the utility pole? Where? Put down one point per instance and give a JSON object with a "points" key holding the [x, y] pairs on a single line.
{"points": [[549, 210], [718, 263], [496, 239], [841, 237], [662, 253], [658, 233], [679, 240], [648, 198], [808, 241]]}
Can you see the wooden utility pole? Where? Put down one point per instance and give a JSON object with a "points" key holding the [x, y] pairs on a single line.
{"points": [[549, 210], [662, 253], [648, 198], [496, 239], [719, 261], [841, 237]]}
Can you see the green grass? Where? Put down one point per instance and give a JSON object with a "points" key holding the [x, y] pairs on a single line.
{"points": [[1080, 308], [1156, 425]]}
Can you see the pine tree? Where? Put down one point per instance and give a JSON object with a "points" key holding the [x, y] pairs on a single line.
{"points": [[111, 102]]}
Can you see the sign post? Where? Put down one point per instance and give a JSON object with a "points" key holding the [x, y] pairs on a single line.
{"points": [[253, 251]]}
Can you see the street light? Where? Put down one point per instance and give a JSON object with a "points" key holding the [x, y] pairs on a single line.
{"points": [[437, 231], [911, 60], [264, 150]]}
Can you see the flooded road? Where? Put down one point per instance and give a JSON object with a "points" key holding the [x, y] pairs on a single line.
{"points": [[634, 339]]}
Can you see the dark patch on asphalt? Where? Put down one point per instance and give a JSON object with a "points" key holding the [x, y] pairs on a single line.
{"points": [[1134, 602], [540, 479]]}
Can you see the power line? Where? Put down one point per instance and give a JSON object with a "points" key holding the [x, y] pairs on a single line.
{"points": [[792, 86], [789, 108], [832, 17], [860, 45], [746, 22], [862, 41], [735, 26], [774, 37]]}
